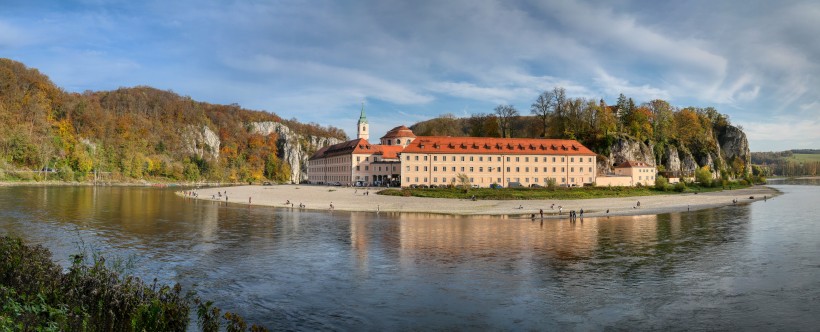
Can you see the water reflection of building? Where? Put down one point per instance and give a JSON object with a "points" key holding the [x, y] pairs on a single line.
{"points": [[458, 239], [359, 238]]}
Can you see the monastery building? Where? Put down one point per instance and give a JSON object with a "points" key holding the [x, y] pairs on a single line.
{"points": [[403, 159]]}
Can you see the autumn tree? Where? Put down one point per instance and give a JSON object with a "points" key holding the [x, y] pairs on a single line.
{"points": [[483, 125]]}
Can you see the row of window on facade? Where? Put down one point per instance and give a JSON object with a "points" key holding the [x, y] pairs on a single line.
{"points": [[398, 141], [472, 180], [347, 168], [498, 158], [359, 158], [332, 160], [495, 169]]}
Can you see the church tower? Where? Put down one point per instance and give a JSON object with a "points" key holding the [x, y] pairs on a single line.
{"points": [[362, 131]]}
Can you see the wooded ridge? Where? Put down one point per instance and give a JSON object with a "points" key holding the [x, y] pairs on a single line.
{"points": [[134, 134], [676, 140]]}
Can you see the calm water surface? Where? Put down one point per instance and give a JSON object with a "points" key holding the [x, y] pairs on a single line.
{"points": [[751, 266]]}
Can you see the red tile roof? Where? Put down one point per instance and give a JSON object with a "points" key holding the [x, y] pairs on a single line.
{"points": [[489, 145], [632, 163], [358, 146], [400, 131]]}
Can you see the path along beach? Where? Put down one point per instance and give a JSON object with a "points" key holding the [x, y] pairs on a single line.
{"points": [[316, 197]]}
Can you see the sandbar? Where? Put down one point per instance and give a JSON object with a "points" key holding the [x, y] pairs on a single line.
{"points": [[318, 197]]}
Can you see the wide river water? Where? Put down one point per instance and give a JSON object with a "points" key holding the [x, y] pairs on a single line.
{"points": [[751, 266]]}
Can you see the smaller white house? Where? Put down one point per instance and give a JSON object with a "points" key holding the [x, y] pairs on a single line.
{"points": [[640, 172], [630, 173]]}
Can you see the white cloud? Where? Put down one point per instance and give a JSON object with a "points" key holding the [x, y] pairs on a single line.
{"points": [[361, 83], [614, 86], [785, 132]]}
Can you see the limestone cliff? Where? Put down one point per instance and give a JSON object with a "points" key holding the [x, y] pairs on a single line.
{"points": [[623, 149], [729, 154], [201, 141], [294, 149], [735, 148]]}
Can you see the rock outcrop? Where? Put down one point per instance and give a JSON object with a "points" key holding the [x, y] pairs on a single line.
{"points": [[729, 154], [201, 141], [624, 149], [294, 149], [735, 146]]}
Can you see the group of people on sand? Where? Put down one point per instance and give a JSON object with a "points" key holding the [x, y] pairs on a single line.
{"points": [[301, 206], [572, 214], [219, 195]]}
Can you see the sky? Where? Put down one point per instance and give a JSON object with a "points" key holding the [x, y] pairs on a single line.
{"points": [[408, 61]]}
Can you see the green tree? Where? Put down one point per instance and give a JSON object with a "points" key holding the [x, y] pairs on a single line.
{"points": [[703, 176]]}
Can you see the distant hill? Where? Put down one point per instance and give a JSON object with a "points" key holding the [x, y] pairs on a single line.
{"points": [[133, 134], [796, 162]]}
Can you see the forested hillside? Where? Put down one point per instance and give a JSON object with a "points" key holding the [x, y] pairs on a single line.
{"points": [[675, 139], [803, 162], [133, 134]]}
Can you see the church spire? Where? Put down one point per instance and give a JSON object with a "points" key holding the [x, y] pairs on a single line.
{"points": [[362, 117], [362, 126]]}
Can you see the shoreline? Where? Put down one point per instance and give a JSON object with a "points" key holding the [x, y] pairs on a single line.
{"points": [[352, 199]]}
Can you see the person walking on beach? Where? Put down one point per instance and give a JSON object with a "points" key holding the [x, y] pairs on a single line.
{"points": [[582, 213], [331, 205], [639, 203], [559, 209], [541, 211]]}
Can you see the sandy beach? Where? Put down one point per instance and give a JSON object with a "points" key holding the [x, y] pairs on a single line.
{"points": [[357, 199]]}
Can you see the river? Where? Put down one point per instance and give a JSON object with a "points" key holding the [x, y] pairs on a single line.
{"points": [[751, 266]]}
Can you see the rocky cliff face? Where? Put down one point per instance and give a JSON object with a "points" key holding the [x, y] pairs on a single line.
{"points": [[201, 141], [293, 148], [624, 149], [734, 145], [731, 149]]}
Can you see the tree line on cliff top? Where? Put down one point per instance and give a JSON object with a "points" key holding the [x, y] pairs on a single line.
{"points": [[129, 134], [592, 122]]}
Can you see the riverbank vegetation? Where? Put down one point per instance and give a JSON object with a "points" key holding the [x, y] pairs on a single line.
{"points": [[37, 295], [661, 187]]}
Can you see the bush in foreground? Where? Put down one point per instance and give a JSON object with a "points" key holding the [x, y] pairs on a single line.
{"points": [[35, 295]]}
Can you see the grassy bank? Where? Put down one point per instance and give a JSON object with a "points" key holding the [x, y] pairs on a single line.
{"points": [[37, 295], [557, 192]]}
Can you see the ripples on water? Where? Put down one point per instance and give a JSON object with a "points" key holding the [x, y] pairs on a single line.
{"points": [[751, 266]]}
